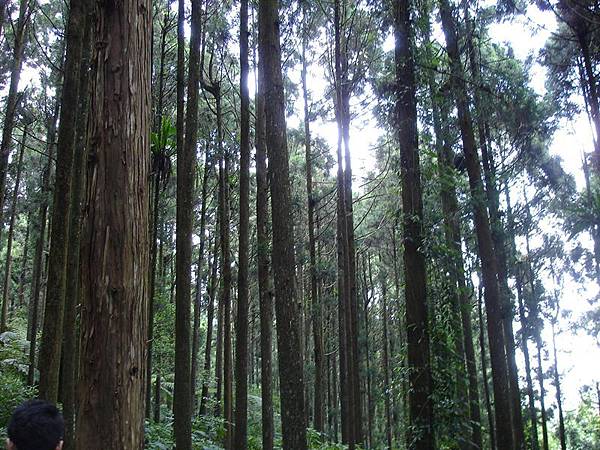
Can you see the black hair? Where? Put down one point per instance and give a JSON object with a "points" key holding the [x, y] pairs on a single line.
{"points": [[36, 425]]}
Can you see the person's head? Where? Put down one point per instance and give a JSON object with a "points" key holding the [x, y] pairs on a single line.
{"points": [[35, 425]]}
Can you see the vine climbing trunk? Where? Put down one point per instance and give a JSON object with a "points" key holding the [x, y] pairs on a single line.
{"points": [[420, 405], [484, 238]]}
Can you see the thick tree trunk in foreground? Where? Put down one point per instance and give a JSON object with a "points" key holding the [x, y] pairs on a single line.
{"points": [[291, 376], [115, 244], [484, 238], [51, 344], [420, 436]]}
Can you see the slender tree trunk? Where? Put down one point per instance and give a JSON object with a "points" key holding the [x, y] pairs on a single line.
{"points": [[186, 175], [212, 290], [152, 290], [13, 98], [52, 335], [158, 118], [557, 385], [265, 291], [540, 373], [199, 278], [524, 328], [484, 239], [290, 365], [386, 364], [486, 389], [368, 284], [535, 445], [115, 244], [72, 296], [420, 434], [342, 98], [499, 238], [241, 326], [11, 228], [319, 397], [224, 365], [345, 357], [38, 262], [454, 238], [219, 350], [24, 261]]}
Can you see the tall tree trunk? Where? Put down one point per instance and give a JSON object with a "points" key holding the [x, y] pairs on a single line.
{"points": [[224, 366], [557, 385], [265, 291], [386, 364], [13, 98], [498, 237], [152, 289], [199, 277], [540, 373], [342, 106], [24, 263], [11, 229], [70, 349], [52, 335], [290, 365], [211, 292], [241, 326], [486, 389], [420, 434], [115, 244], [319, 397], [157, 128], [186, 175], [453, 238], [38, 262], [484, 238], [368, 284], [344, 331], [535, 445]]}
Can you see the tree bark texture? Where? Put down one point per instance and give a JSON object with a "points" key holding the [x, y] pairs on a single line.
{"points": [[291, 376], [115, 243]]}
